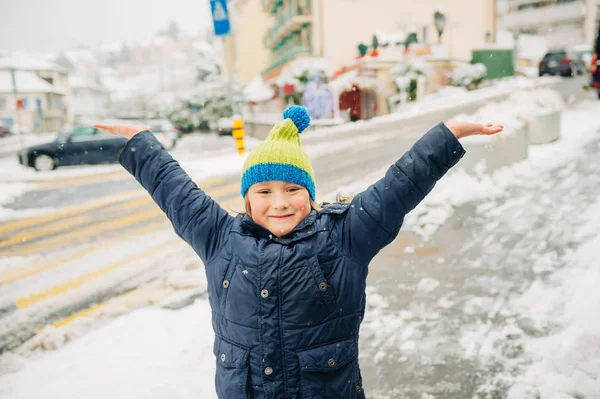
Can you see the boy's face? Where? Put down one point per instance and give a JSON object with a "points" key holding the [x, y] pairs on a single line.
{"points": [[278, 206]]}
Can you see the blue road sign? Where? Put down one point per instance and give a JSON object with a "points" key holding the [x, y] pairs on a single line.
{"points": [[220, 17]]}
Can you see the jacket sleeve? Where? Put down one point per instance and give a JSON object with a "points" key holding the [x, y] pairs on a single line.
{"points": [[375, 215], [196, 217]]}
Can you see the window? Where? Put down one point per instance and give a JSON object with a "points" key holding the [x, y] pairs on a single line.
{"points": [[2, 103], [82, 133]]}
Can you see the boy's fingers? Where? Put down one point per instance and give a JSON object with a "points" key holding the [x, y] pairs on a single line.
{"points": [[108, 128]]}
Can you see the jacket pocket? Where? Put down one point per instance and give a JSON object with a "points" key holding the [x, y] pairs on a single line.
{"points": [[325, 290], [231, 379], [229, 272], [330, 371]]}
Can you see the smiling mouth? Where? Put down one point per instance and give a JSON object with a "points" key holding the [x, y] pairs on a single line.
{"points": [[281, 217]]}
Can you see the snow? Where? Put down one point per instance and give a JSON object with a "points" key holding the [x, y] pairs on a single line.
{"points": [[154, 353], [26, 62], [165, 353], [467, 74], [258, 91], [27, 82], [578, 127], [447, 98], [568, 360]]}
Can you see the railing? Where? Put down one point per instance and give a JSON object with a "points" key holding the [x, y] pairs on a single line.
{"points": [[291, 18], [268, 4], [550, 15], [288, 54]]}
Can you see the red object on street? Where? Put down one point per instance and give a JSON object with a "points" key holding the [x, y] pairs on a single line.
{"points": [[594, 63], [20, 104], [288, 89]]}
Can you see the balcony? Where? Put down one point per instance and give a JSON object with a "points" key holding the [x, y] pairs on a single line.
{"points": [[533, 18], [291, 19], [286, 55], [269, 4]]}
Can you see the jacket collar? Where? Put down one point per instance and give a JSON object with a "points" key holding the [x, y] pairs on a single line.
{"points": [[305, 228], [300, 231]]}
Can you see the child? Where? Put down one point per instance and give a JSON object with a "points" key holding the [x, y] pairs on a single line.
{"points": [[286, 281]]}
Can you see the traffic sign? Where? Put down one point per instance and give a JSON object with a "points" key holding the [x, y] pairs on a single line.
{"points": [[220, 17]]}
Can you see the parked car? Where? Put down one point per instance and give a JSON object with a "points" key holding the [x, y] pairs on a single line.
{"points": [[4, 129], [165, 132], [562, 62], [596, 65], [83, 145], [224, 126]]}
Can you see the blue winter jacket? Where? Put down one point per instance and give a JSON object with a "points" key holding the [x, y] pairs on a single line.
{"points": [[286, 311]]}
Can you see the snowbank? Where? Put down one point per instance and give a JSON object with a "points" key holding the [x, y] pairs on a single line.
{"points": [[566, 364]]}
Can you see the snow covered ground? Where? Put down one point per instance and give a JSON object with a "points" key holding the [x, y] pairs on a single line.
{"points": [[548, 346]]}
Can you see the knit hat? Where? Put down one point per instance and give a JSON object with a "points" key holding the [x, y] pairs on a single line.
{"points": [[280, 156]]}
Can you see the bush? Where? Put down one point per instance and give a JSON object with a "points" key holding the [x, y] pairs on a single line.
{"points": [[468, 75]]}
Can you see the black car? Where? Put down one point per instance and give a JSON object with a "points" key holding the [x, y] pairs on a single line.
{"points": [[561, 62], [224, 126], [83, 145], [594, 66]]}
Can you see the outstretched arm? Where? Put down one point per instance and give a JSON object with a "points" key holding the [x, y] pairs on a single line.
{"points": [[376, 215], [195, 216]]}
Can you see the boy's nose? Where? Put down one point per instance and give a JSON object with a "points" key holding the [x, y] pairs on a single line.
{"points": [[280, 202]]}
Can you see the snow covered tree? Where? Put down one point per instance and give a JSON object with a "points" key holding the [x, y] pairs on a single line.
{"points": [[213, 97], [468, 75], [406, 75]]}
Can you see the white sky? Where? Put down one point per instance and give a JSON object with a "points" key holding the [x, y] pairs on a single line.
{"points": [[51, 25]]}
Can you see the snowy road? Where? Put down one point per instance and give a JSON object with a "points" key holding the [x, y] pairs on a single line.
{"points": [[439, 297], [477, 298]]}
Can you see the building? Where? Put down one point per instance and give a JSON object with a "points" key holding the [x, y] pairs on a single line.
{"points": [[561, 23], [90, 99], [41, 102], [249, 23], [331, 30]]}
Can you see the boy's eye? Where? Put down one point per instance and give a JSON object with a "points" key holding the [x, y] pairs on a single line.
{"points": [[293, 189], [263, 192]]}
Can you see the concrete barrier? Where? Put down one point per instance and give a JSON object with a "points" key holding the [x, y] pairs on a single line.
{"points": [[490, 153], [544, 128]]}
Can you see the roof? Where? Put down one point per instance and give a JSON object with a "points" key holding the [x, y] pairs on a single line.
{"points": [[25, 62], [79, 82], [27, 82], [258, 91]]}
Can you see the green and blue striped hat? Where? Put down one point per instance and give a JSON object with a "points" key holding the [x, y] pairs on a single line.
{"points": [[281, 157]]}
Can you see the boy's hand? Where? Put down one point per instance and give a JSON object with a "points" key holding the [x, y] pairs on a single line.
{"points": [[464, 129], [127, 131]]}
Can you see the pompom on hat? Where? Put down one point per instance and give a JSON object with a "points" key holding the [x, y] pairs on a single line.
{"points": [[281, 157]]}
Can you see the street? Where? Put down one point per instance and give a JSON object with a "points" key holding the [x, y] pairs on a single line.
{"points": [[432, 301]]}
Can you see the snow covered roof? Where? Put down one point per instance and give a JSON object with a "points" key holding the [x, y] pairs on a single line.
{"points": [[346, 80], [79, 56], [78, 82], [258, 91], [27, 82], [25, 62]]}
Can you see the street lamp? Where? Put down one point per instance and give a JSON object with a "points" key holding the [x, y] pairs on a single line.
{"points": [[439, 19]]}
